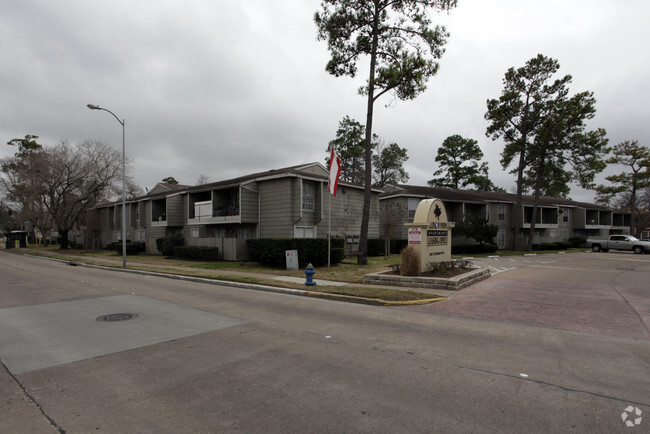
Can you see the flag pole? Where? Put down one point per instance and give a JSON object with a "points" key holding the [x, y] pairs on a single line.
{"points": [[329, 229]]}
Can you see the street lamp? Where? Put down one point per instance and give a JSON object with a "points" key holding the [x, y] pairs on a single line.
{"points": [[96, 107]]}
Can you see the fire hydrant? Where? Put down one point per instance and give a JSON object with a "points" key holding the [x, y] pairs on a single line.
{"points": [[309, 273]]}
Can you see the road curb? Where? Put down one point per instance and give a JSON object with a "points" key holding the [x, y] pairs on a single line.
{"points": [[252, 286]]}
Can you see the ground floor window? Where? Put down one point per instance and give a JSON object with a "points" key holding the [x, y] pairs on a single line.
{"points": [[140, 235], [195, 232], [304, 232], [501, 239], [243, 233]]}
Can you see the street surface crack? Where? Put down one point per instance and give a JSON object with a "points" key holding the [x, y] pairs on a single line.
{"points": [[559, 386], [31, 398]]}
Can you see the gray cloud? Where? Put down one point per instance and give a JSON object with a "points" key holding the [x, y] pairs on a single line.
{"points": [[227, 88]]}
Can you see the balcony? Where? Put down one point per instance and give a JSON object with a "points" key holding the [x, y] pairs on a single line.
{"points": [[547, 218], [214, 207]]}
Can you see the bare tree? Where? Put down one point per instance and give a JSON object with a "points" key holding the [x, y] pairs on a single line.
{"points": [[55, 186], [391, 217], [202, 179]]}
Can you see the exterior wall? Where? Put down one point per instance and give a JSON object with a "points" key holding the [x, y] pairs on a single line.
{"points": [[177, 210], [153, 233], [249, 203], [277, 212], [347, 212], [230, 249]]}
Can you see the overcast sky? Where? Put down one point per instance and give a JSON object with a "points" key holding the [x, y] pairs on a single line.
{"points": [[227, 88]]}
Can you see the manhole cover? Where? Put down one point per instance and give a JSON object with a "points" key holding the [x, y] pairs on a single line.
{"points": [[113, 317]]}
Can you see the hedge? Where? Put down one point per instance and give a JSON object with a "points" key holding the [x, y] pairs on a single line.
{"points": [[131, 247], [203, 253], [559, 245], [473, 248], [272, 252], [578, 241], [166, 245], [376, 247]]}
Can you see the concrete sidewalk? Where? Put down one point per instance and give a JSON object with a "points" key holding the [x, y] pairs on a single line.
{"points": [[205, 275]]}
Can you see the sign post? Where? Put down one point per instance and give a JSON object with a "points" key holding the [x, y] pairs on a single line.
{"points": [[430, 232]]}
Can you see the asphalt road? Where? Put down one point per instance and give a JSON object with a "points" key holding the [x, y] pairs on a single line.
{"points": [[552, 344]]}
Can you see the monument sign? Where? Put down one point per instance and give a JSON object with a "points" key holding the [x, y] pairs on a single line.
{"points": [[430, 232]]}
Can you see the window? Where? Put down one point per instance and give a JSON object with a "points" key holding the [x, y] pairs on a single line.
{"points": [[501, 212], [564, 214], [413, 205], [140, 236], [552, 233], [195, 232], [308, 196], [243, 233], [304, 232], [501, 239]]}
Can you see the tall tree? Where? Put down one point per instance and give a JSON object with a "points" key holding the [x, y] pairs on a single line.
{"points": [[563, 151], [458, 165], [77, 178], [402, 47], [626, 185], [170, 180], [544, 134], [64, 180], [20, 186], [388, 165], [349, 144]]}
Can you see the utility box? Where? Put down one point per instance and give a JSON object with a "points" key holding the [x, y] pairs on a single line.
{"points": [[292, 259], [16, 239]]}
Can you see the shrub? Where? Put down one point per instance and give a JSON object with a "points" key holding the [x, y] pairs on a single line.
{"points": [[473, 249], [376, 247], [578, 241], [545, 246], [396, 246], [443, 266], [202, 253], [410, 265], [563, 245], [310, 250], [166, 245]]}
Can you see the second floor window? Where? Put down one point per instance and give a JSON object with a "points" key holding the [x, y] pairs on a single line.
{"points": [[413, 205], [501, 212], [308, 196]]}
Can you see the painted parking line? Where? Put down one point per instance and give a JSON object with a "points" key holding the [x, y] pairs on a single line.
{"points": [[626, 260], [495, 270]]}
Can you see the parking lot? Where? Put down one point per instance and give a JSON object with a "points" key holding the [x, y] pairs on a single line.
{"points": [[604, 293]]}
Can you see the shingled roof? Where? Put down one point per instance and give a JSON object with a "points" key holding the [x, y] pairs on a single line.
{"points": [[473, 196]]}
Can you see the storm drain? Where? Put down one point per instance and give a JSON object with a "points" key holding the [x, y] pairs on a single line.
{"points": [[114, 317]]}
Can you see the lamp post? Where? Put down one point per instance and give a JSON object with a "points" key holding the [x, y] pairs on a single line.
{"points": [[96, 107]]}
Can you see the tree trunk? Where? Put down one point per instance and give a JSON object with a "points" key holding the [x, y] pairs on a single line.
{"points": [[64, 239], [362, 256], [516, 216], [538, 187]]}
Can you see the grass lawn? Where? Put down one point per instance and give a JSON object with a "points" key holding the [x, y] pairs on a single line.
{"points": [[250, 272]]}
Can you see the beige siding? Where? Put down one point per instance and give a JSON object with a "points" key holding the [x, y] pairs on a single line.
{"points": [[347, 210], [249, 204], [277, 212], [315, 170], [152, 235], [176, 211]]}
